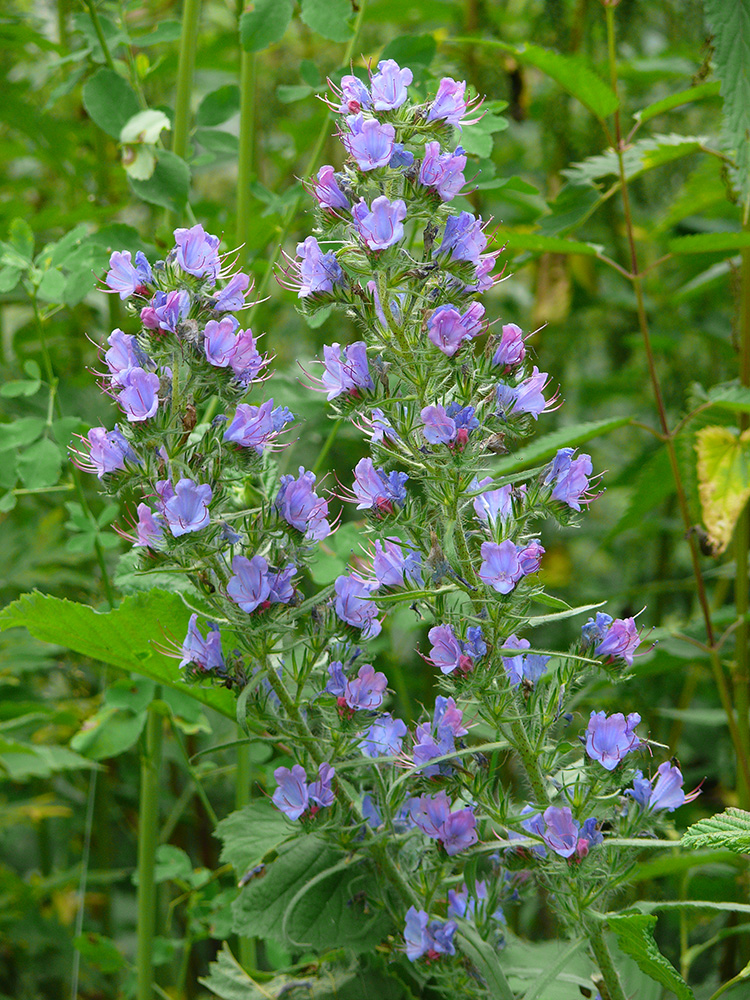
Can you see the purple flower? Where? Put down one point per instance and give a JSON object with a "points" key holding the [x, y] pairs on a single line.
{"points": [[139, 397], [300, 506], [667, 793], [292, 795], [366, 691], [123, 354], [493, 504], [327, 190], [337, 683], [401, 157], [383, 226], [444, 172], [380, 427], [560, 831], [500, 568], [220, 341], [449, 104], [204, 653], [608, 740], [197, 252], [125, 279], [248, 587], [252, 426], [569, 478], [353, 607], [429, 813], [280, 587], [454, 830], [354, 95], [511, 350], [376, 489], [425, 937], [320, 791], [348, 375], [108, 452], [438, 738], [149, 527], [621, 640], [167, 310], [384, 738], [528, 394], [523, 668], [318, 271], [447, 328], [530, 557], [389, 84], [369, 810], [593, 632], [369, 142], [459, 831], [446, 652], [187, 509], [246, 361], [232, 295], [463, 238], [392, 568]]}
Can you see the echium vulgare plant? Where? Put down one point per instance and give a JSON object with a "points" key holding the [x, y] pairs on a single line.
{"points": [[428, 839]]}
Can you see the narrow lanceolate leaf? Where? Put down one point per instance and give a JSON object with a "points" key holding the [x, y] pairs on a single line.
{"points": [[519, 240], [729, 21], [545, 448], [123, 638], [640, 157], [485, 957], [635, 936], [729, 830], [709, 243], [723, 480], [692, 94], [572, 73]]}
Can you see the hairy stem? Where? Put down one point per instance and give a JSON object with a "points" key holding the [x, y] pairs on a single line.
{"points": [[148, 826], [595, 932], [742, 544], [246, 160]]}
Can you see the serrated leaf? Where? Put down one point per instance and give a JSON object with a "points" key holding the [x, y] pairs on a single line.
{"points": [[218, 106], [730, 23], [641, 156], [546, 447], [729, 830], [122, 638], [735, 398], [709, 243], [723, 480], [634, 932], [265, 24], [168, 186], [250, 833], [699, 93], [109, 101], [328, 18]]}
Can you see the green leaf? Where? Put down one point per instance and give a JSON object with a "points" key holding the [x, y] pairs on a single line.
{"points": [[249, 834], [165, 31], [653, 485], [729, 830], [218, 106], [265, 24], [108, 733], [638, 158], [9, 278], [723, 480], [536, 990], [709, 243], [328, 18], [485, 957], [217, 141], [21, 761], [100, 951], [293, 92], [729, 21], [122, 638], [573, 205], [677, 100], [307, 894], [109, 101], [133, 694], [20, 432], [40, 464], [546, 447], [477, 138], [21, 238], [52, 286], [540, 243], [19, 387], [732, 397], [414, 51], [172, 863], [634, 932], [168, 186]]}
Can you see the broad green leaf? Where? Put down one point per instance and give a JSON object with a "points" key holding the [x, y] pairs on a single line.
{"points": [[20, 387], [265, 23], [328, 18], [539, 243], [729, 21], [735, 398], [677, 100], [309, 894], [100, 951], [21, 761], [641, 156], [546, 447], [52, 286], [168, 186], [218, 106], [729, 830], [165, 31], [21, 238], [293, 92], [133, 694], [572, 73], [414, 51], [108, 733], [709, 243], [526, 962], [218, 141], [147, 126], [723, 480], [251, 833], [40, 464], [109, 101], [20, 432], [537, 989], [634, 932], [122, 638]]}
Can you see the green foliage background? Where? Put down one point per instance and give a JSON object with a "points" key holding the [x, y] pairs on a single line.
{"points": [[550, 179]]}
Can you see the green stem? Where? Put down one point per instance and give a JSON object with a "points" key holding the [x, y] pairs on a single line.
{"points": [[637, 281], [328, 444], [94, 15], [148, 829], [88, 826], [595, 931], [246, 161], [530, 760], [185, 69], [243, 778], [742, 545]]}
